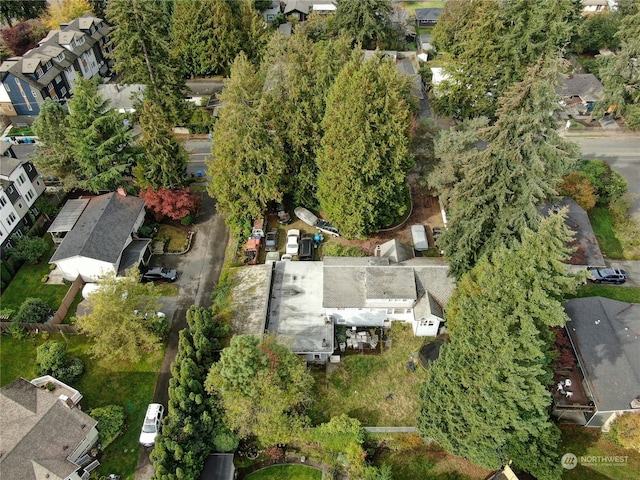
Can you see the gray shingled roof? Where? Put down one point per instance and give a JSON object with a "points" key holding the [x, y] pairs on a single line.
{"points": [[102, 230], [349, 282], [606, 334], [38, 433], [426, 14], [8, 165], [584, 85]]}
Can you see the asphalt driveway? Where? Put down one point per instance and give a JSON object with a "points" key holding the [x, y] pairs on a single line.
{"points": [[198, 270]]}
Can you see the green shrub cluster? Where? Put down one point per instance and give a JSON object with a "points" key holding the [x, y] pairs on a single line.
{"points": [[52, 359], [32, 310], [110, 422]]}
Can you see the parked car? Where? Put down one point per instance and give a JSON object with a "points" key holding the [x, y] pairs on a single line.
{"points": [[607, 275], [152, 424], [160, 274], [420, 240], [306, 247], [306, 216], [271, 242], [284, 218], [252, 250], [293, 237]]}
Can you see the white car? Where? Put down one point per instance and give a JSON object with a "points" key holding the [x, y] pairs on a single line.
{"points": [[150, 314], [151, 425], [293, 239]]}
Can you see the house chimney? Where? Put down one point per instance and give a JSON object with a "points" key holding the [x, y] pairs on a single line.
{"points": [[121, 191]]}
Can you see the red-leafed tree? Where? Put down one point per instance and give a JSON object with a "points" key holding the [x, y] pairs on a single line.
{"points": [[174, 204], [24, 36]]}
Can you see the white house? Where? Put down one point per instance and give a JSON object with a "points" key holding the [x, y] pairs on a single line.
{"points": [[20, 187], [97, 235], [44, 434]]}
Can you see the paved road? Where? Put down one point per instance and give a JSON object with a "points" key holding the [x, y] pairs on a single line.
{"points": [[199, 151], [623, 154]]}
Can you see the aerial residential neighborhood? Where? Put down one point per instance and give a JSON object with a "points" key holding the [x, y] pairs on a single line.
{"points": [[319, 240]]}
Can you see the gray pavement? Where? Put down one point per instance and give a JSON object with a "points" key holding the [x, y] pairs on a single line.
{"points": [[198, 270]]}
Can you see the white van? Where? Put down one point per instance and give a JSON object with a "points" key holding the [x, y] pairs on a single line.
{"points": [[420, 239]]}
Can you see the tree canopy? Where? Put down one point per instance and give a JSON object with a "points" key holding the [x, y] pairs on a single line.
{"points": [[495, 191], [21, 9], [364, 155], [141, 50], [264, 388], [486, 396], [367, 22], [119, 334]]}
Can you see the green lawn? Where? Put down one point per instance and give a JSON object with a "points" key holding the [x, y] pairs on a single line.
{"points": [[615, 292], [584, 442], [103, 383], [286, 472], [602, 224], [411, 6], [375, 389], [28, 283]]}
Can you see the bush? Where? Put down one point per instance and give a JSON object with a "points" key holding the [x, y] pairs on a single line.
{"points": [[30, 249], [625, 431], [225, 442], [609, 185], [577, 186], [339, 250], [187, 219], [110, 422], [17, 332], [157, 325], [147, 231], [52, 359], [32, 310]]}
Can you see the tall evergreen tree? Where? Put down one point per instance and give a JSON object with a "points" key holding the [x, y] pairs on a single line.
{"points": [[254, 34], [364, 156], [194, 418], [21, 9], [491, 44], [204, 36], [164, 162], [53, 156], [486, 397], [98, 139], [141, 50], [620, 73], [367, 22], [248, 159], [298, 76], [502, 186]]}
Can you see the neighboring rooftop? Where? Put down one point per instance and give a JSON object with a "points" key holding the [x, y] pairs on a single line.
{"points": [[584, 85], [39, 432], [428, 14], [8, 164], [606, 335], [250, 292]]}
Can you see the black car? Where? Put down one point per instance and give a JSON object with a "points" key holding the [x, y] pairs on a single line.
{"points": [[160, 274], [306, 247], [284, 218], [607, 275], [271, 241]]}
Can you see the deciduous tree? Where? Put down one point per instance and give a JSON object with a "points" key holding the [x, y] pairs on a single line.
{"points": [[263, 387], [502, 185], [117, 332], [174, 204], [23, 36], [29, 248], [63, 11], [364, 155], [164, 162], [488, 389]]}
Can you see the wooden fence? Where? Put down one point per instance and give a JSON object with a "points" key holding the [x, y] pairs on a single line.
{"points": [[41, 327], [67, 301]]}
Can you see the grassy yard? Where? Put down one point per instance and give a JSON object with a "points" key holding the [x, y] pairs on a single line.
{"points": [[602, 224], [286, 472], [409, 459], [411, 6], [378, 390], [615, 292], [590, 442], [28, 283], [178, 239], [103, 383]]}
